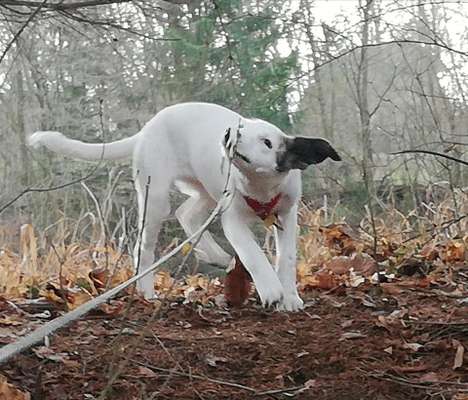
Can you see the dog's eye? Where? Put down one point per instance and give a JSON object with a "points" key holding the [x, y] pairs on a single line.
{"points": [[267, 143]]}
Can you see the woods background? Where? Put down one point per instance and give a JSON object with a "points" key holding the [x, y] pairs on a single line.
{"points": [[372, 76]]}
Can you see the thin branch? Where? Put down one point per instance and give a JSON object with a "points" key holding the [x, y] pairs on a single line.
{"points": [[64, 6], [48, 189], [110, 24], [434, 230], [255, 392], [434, 153], [351, 50], [64, 185], [382, 97], [20, 31], [428, 385], [193, 376]]}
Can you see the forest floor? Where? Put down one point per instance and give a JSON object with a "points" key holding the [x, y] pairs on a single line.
{"points": [[401, 338], [370, 342]]}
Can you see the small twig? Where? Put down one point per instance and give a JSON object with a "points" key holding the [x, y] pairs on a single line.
{"points": [[62, 290], [255, 392], [453, 324], [18, 309], [278, 391], [435, 229], [102, 236], [428, 385]]}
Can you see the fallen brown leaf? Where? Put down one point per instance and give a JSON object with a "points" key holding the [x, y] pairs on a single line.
{"points": [[454, 251], [146, 372], [10, 392], [9, 321], [320, 280], [361, 263], [342, 238], [351, 335], [411, 368], [391, 289], [458, 361], [429, 252], [213, 361], [77, 298], [113, 308], [237, 284], [429, 377], [412, 346], [460, 396]]}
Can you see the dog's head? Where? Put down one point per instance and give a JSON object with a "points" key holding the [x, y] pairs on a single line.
{"points": [[262, 148]]}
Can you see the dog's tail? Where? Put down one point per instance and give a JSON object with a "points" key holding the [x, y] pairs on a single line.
{"points": [[59, 143]]}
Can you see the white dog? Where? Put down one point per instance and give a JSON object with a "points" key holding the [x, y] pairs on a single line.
{"points": [[184, 146]]}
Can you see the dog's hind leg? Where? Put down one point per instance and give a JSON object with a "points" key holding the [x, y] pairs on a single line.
{"points": [[153, 208], [191, 215]]}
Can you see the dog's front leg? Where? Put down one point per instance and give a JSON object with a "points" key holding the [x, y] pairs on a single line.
{"points": [[286, 261], [266, 281]]}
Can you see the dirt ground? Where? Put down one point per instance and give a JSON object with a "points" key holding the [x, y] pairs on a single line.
{"points": [[384, 341], [383, 320]]}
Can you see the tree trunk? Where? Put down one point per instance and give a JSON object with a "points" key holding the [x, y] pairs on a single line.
{"points": [[20, 128], [362, 93], [306, 6]]}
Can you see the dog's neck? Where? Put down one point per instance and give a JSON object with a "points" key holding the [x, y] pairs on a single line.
{"points": [[261, 188]]}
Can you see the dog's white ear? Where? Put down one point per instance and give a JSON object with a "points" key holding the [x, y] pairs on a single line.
{"points": [[304, 151]]}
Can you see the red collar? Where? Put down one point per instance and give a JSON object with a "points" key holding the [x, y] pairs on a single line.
{"points": [[263, 210]]}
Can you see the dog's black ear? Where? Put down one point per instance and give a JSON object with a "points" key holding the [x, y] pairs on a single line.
{"points": [[304, 151]]}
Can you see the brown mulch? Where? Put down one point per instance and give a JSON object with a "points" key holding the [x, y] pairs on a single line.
{"points": [[372, 342]]}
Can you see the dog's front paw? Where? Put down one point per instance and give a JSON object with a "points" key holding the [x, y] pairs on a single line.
{"points": [[291, 302], [270, 291]]}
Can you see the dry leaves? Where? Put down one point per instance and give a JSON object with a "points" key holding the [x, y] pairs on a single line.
{"points": [[332, 256], [460, 396], [10, 392], [362, 263], [337, 254]]}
